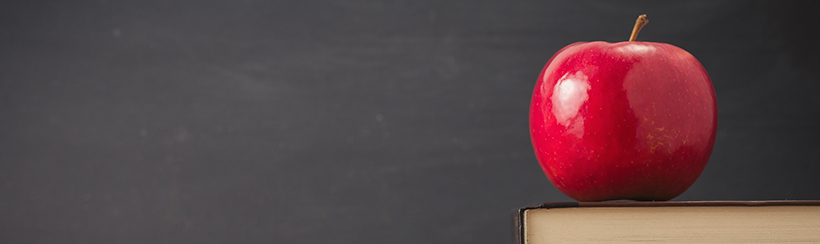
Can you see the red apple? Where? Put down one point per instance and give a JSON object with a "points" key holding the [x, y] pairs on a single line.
{"points": [[628, 120]]}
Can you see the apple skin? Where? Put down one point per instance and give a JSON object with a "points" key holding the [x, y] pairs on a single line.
{"points": [[628, 120]]}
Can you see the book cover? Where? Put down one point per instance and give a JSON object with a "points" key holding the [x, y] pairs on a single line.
{"points": [[670, 222]]}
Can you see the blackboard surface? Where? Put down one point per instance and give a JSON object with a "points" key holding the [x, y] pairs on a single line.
{"points": [[351, 121]]}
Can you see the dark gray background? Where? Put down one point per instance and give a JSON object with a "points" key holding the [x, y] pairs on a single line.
{"points": [[351, 121]]}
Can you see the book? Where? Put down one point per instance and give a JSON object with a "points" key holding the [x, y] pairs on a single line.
{"points": [[670, 222]]}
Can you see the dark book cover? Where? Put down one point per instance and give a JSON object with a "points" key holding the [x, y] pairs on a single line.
{"points": [[519, 216]]}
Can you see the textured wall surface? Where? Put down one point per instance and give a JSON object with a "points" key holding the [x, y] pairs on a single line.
{"points": [[351, 121]]}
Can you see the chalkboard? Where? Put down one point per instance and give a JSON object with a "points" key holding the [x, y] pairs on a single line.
{"points": [[351, 121]]}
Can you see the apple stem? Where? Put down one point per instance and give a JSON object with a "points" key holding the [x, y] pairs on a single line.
{"points": [[639, 23]]}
